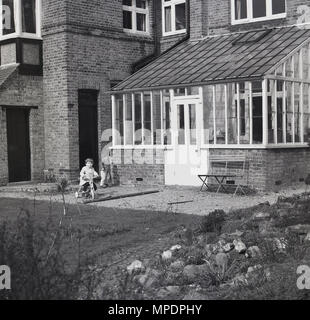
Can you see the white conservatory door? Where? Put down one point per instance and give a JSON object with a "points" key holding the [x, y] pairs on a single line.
{"points": [[186, 160]]}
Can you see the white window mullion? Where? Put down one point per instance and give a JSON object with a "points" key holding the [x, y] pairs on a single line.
{"points": [[162, 118], [152, 119], [113, 120], [265, 113], [214, 116], [301, 102], [251, 111], [18, 17], [250, 9], [238, 113], [133, 119], [284, 112], [226, 115], [276, 112], [39, 18], [268, 8], [142, 118], [124, 119], [1, 19]]}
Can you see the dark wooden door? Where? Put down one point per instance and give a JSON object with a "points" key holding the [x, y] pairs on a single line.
{"points": [[18, 144], [88, 126]]}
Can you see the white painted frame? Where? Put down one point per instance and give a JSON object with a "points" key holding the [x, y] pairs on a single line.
{"points": [[18, 22], [249, 19], [134, 10], [172, 4]]}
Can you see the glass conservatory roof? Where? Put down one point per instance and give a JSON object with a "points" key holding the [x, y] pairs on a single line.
{"points": [[222, 58]]}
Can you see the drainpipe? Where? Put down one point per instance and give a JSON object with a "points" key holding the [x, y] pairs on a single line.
{"points": [[144, 61]]}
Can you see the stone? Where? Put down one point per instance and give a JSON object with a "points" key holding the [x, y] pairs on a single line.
{"points": [[239, 280], [149, 279], [177, 265], [167, 255], [254, 252], [280, 244], [135, 267], [307, 238], [228, 247], [262, 216], [240, 247], [299, 229], [175, 248]]}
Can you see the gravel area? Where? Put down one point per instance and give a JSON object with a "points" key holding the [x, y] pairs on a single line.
{"points": [[196, 202]]}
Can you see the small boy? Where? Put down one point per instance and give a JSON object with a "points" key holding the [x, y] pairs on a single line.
{"points": [[87, 174]]}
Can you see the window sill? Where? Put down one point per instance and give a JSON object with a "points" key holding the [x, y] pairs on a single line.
{"points": [[174, 33], [262, 19], [137, 33]]}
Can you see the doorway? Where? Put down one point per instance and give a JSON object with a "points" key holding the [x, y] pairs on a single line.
{"points": [[18, 142], [186, 160], [88, 126]]}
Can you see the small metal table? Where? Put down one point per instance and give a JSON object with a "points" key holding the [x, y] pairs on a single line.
{"points": [[220, 178]]}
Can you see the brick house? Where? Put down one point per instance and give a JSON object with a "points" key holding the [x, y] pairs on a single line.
{"points": [[59, 61]]}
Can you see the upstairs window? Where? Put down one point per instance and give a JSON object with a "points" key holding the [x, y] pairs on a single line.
{"points": [[136, 16], [20, 18], [245, 11], [174, 16]]}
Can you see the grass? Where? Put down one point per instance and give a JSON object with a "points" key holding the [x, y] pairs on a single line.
{"points": [[98, 236]]}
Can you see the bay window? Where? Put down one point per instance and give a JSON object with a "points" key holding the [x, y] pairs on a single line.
{"points": [[20, 18], [174, 16], [245, 11], [136, 16]]}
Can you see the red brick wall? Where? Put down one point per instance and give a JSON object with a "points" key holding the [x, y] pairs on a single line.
{"points": [[145, 164]]}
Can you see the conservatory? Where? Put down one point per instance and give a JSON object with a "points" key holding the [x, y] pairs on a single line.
{"points": [[238, 93]]}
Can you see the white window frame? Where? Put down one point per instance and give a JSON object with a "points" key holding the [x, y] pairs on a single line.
{"points": [[249, 19], [172, 4], [18, 22], [134, 10]]}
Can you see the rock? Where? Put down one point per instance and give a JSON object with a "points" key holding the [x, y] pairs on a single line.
{"points": [[211, 249], [167, 255], [307, 238], [280, 244], [135, 267], [228, 247], [254, 269], [262, 216], [300, 229], [177, 265], [175, 248], [254, 252], [239, 280], [149, 279], [240, 247], [221, 260], [174, 290]]}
